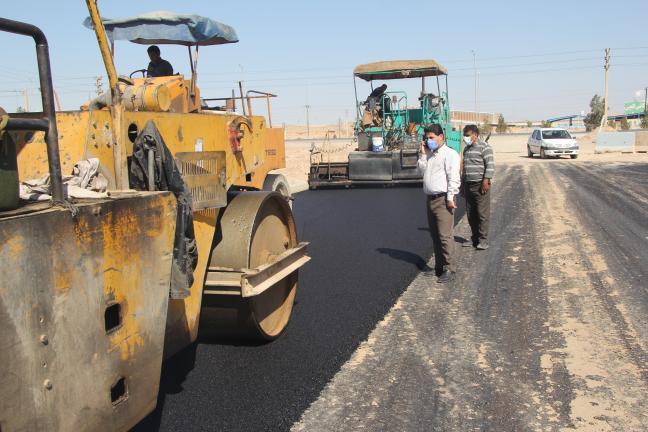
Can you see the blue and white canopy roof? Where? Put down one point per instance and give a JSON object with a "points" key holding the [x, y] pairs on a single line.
{"points": [[161, 27]]}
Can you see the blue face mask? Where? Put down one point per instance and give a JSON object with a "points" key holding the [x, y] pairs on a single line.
{"points": [[432, 144]]}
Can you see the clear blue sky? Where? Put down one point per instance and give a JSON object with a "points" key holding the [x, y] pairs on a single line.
{"points": [[534, 61]]}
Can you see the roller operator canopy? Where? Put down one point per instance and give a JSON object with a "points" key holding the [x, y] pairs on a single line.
{"points": [[161, 27], [399, 69]]}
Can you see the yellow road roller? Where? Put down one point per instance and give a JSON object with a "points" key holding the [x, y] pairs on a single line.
{"points": [[129, 225]]}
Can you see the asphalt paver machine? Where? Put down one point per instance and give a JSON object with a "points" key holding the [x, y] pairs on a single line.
{"points": [[96, 289], [389, 127]]}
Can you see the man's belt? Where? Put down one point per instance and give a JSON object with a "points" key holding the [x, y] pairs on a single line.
{"points": [[437, 195]]}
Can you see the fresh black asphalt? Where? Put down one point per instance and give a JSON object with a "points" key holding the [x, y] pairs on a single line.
{"points": [[484, 340], [367, 245]]}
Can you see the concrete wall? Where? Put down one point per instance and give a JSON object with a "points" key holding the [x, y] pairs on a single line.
{"points": [[615, 141], [641, 141], [470, 117]]}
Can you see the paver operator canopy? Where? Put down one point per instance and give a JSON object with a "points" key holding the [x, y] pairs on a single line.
{"points": [[399, 69]]}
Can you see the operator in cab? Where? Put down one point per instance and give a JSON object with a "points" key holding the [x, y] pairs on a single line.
{"points": [[377, 93], [157, 67]]}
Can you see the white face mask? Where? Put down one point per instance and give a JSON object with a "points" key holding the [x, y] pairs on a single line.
{"points": [[467, 140]]}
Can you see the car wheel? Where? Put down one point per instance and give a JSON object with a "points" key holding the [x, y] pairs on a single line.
{"points": [[574, 156], [542, 153], [529, 152]]}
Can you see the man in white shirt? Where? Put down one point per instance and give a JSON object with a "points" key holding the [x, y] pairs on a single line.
{"points": [[439, 165]]}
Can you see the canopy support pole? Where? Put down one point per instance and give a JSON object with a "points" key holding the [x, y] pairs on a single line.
{"points": [[102, 39], [193, 72], [357, 104], [193, 62]]}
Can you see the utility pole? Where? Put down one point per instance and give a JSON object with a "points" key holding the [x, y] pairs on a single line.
{"points": [[475, 72], [307, 121], [26, 94], [478, 114], [605, 101], [346, 123], [98, 85]]}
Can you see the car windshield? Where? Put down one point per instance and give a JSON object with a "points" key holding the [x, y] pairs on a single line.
{"points": [[555, 134]]}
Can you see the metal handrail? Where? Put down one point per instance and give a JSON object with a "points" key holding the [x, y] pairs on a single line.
{"points": [[48, 122], [261, 94]]}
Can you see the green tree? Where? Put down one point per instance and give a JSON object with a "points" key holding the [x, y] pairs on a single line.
{"points": [[546, 124], [501, 125], [611, 124], [529, 123], [593, 119], [485, 128], [624, 124]]}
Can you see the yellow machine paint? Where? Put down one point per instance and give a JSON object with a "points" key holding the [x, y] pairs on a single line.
{"points": [[90, 278], [91, 133], [85, 134]]}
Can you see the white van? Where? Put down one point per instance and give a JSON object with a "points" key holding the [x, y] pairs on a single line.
{"points": [[552, 142]]}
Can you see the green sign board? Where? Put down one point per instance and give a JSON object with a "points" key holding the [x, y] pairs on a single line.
{"points": [[633, 108]]}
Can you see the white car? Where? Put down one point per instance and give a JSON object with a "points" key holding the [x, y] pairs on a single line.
{"points": [[552, 142]]}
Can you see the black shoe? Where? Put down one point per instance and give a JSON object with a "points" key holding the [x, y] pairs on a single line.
{"points": [[482, 245], [430, 272], [446, 276]]}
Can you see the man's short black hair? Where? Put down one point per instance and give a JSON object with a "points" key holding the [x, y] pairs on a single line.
{"points": [[436, 129], [153, 49], [471, 128]]}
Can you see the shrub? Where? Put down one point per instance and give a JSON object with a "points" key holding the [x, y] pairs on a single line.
{"points": [[593, 119], [501, 125], [625, 125]]}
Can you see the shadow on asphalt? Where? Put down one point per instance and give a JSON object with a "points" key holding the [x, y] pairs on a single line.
{"points": [[409, 257], [174, 373]]}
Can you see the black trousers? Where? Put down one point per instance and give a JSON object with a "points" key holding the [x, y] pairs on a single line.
{"points": [[478, 211]]}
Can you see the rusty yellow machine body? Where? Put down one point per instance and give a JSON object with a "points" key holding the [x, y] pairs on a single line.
{"points": [[86, 317]]}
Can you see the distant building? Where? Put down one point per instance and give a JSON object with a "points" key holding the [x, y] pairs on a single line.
{"points": [[633, 112], [461, 118], [634, 120]]}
